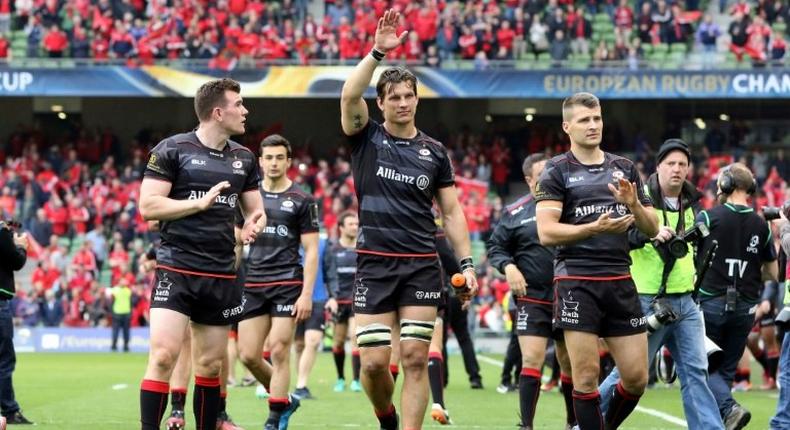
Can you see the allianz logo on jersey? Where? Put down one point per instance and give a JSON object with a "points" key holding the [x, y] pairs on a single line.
{"points": [[582, 211], [280, 230], [229, 200], [421, 181]]}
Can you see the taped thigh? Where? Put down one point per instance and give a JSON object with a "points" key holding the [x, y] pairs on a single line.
{"points": [[372, 335], [416, 330]]}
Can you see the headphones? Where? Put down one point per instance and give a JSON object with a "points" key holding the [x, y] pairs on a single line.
{"points": [[727, 182]]}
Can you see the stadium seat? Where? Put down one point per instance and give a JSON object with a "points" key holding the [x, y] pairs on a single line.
{"points": [[779, 27], [661, 47], [524, 64], [580, 61], [678, 47], [602, 17], [656, 59], [730, 61], [544, 61]]}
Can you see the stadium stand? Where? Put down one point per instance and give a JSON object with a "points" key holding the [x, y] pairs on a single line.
{"points": [[521, 34]]}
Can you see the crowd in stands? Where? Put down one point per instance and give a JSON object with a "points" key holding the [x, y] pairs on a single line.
{"points": [[257, 32], [77, 199]]}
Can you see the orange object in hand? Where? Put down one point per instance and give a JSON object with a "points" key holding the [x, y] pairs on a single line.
{"points": [[458, 281]]}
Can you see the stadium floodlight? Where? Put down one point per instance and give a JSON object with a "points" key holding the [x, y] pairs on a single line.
{"points": [[724, 117]]}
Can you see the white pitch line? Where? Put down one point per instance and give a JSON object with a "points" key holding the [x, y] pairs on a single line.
{"points": [[118, 387], [658, 414]]}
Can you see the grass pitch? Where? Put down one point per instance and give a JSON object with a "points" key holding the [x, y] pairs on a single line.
{"points": [[101, 391]]}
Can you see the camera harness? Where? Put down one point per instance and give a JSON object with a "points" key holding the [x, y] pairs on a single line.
{"points": [[666, 370], [669, 263]]}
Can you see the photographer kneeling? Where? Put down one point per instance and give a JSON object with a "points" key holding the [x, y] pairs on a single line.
{"points": [[663, 271], [730, 293]]}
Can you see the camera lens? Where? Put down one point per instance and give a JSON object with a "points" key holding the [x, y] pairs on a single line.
{"points": [[678, 248]]}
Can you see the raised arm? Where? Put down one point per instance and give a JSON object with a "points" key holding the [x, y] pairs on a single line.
{"points": [[353, 109]]}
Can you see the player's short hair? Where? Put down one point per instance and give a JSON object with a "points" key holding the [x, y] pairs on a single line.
{"points": [[392, 76], [537, 157], [212, 94], [579, 99], [341, 220], [276, 140]]}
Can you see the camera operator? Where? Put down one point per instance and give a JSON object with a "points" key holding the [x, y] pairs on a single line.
{"points": [[730, 291], [664, 278], [13, 255], [782, 418]]}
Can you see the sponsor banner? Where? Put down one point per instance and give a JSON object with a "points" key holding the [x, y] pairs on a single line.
{"points": [[57, 339], [327, 81]]}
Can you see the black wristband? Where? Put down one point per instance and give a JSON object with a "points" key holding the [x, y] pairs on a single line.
{"points": [[466, 264], [377, 55]]}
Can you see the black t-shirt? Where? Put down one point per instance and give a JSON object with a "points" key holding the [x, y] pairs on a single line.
{"points": [[340, 267], [745, 243], [584, 193], [274, 256], [202, 242], [515, 240], [396, 181]]}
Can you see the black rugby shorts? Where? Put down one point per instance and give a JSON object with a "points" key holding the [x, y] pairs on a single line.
{"points": [[206, 299], [605, 307], [385, 283]]}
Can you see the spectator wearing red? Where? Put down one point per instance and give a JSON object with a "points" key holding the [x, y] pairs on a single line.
{"points": [[79, 215], [237, 7], [175, 45], [81, 278], [57, 215], [467, 43], [742, 7], [349, 46], [412, 49], [121, 42], [45, 274], [7, 203], [757, 32], [55, 42], [505, 36], [426, 26], [118, 260], [624, 19], [3, 47]]}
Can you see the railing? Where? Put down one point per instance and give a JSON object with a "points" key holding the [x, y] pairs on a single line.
{"points": [[717, 61]]}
